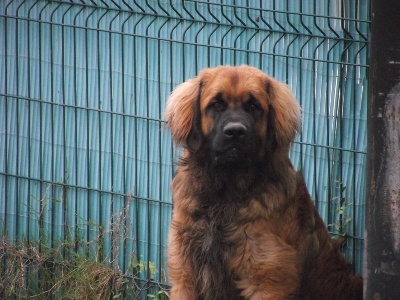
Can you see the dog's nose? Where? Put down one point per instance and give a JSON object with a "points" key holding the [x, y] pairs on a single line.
{"points": [[235, 130]]}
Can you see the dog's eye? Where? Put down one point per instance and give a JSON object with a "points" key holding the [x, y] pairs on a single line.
{"points": [[252, 105], [217, 105]]}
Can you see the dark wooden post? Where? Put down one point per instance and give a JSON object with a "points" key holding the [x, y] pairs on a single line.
{"points": [[382, 250]]}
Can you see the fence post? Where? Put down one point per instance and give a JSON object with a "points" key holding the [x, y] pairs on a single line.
{"points": [[382, 250]]}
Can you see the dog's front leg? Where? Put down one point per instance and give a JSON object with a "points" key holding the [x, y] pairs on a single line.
{"points": [[267, 267], [180, 292], [181, 279], [180, 270]]}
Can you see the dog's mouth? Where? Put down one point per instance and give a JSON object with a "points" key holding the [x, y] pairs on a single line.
{"points": [[229, 156]]}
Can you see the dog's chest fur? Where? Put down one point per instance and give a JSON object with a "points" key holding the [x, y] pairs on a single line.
{"points": [[211, 247]]}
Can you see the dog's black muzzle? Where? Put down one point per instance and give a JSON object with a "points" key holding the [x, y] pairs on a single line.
{"points": [[233, 141]]}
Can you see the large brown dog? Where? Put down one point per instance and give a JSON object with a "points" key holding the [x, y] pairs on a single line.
{"points": [[244, 225]]}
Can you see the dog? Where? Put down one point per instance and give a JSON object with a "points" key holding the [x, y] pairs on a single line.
{"points": [[244, 225]]}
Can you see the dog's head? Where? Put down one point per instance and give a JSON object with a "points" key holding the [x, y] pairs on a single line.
{"points": [[235, 114]]}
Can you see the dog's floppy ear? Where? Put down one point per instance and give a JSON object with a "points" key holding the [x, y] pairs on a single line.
{"points": [[183, 114], [286, 112]]}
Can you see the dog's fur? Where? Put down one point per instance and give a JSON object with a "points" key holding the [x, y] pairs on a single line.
{"points": [[244, 225]]}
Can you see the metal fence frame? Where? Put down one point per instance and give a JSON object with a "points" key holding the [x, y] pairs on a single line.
{"points": [[83, 148]]}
